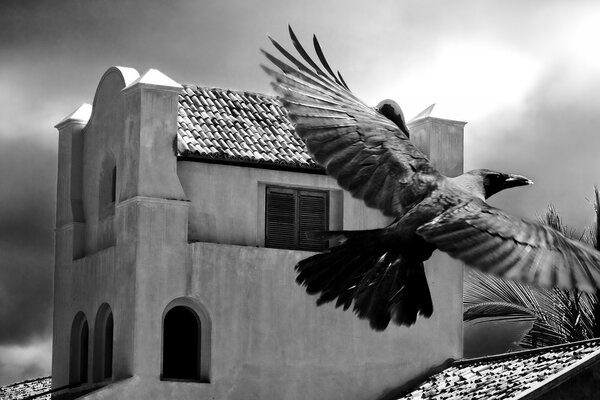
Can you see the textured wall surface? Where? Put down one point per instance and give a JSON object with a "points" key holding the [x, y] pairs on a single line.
{"points": [[193, 230], [228, 202]]}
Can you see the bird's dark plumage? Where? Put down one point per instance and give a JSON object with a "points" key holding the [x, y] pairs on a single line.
{"points": [[379, 273]]}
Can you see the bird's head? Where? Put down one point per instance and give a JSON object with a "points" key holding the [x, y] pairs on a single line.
{"points": [[392, 111], [494, 182]]}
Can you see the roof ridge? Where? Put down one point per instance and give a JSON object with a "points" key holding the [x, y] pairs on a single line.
{"points": [[221, 89], [536, 350]]}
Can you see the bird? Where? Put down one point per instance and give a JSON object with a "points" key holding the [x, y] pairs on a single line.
{"points": [[367, 150]]}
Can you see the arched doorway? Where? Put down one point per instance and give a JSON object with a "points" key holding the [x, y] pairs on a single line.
{"points": [[186, 341], [181, 344]]}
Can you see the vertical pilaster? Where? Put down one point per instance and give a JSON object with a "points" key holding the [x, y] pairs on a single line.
{"points": [[68, 232], [150, 128], [152, 213]]}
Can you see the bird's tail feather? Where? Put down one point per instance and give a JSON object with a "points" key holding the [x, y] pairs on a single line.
{"points": [[360, 269]]}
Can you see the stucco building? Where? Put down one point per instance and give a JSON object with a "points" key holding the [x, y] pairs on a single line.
{"points": [[181, 211]]}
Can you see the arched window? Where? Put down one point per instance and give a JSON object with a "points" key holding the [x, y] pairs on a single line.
{"points": [[108, 187], [107, 200], [78, 360], [186, 341], [103, 343]]}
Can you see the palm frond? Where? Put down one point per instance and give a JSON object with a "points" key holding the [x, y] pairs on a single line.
{"points": [[498, 311], [560, 316]]}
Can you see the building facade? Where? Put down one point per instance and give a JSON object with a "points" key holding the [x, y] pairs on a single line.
{"points": [[181, 212]]}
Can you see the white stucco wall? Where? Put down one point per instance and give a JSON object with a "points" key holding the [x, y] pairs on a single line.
{"points": [[228, 202], [270, 341], [194, 229]]}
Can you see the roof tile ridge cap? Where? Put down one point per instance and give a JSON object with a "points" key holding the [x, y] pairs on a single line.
{"points": [[494, 357], [565, 372], [222, 89]]}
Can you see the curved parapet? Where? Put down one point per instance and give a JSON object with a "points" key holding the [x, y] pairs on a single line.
{"points": [[83, 114], [114, 80]]}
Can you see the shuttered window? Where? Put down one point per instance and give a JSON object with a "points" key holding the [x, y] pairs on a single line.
{"points": [[291, 214]]}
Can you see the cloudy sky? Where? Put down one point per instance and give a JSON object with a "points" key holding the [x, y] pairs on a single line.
{"points": [[525, 75]]}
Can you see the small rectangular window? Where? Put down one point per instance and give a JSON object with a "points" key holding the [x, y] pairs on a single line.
{"points": [[291, 214]]}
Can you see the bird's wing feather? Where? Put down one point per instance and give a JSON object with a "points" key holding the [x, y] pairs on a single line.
{"points": [[368, 154], [495, 242]]}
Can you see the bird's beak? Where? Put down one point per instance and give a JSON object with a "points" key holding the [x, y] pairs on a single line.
{"points": [[517, 180]]}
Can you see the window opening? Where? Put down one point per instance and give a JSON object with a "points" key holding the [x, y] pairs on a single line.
{"points": [[78, 363], [292, 215], [181, 344], [103, 344]]}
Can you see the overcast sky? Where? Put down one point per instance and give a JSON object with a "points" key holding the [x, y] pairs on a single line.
{"points": [[525, 75]]}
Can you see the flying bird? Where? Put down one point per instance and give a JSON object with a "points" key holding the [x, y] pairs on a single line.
{"points": [[367, 150]]}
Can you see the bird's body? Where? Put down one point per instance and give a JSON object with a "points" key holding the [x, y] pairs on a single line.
{"points": [[367, 150]]}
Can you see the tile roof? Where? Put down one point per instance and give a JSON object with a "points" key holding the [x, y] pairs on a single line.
{"points": [[222, 124], [505, 376], [31, 389]]}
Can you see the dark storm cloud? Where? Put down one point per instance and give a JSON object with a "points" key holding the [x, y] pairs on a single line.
{"points": [[27, 187]]}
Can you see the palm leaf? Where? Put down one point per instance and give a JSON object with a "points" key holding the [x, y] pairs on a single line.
{"points": [[495, 328], [560, 316], [481, 288]]}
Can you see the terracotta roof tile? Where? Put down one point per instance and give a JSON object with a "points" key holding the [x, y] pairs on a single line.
{"points": [[224, 124], [27, 389], [505, 376]]}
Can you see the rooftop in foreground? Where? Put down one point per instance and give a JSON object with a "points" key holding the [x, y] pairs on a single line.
{"points": [[37, 388], [519, 375]]}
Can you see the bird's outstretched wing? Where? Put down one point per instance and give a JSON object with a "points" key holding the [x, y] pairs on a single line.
{"points": [[368, 154], [495, 242]]}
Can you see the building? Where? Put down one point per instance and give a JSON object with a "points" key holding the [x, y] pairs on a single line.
{"points": [[181, 212]]}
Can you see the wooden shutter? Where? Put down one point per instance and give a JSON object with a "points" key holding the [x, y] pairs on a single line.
{"points": [[281, 232], [293, 213], [313, 207]]}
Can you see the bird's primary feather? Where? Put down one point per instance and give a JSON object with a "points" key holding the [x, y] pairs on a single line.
{"points": [[380, 273], [493, 241]]}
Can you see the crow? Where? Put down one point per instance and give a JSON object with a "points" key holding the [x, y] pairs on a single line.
{"points": [[367, 150]]}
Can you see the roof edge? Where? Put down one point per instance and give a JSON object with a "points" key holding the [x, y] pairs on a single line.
{"points": [[501, 356], [415, 382], [40, 378], [560, 377], [254, 164]]}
